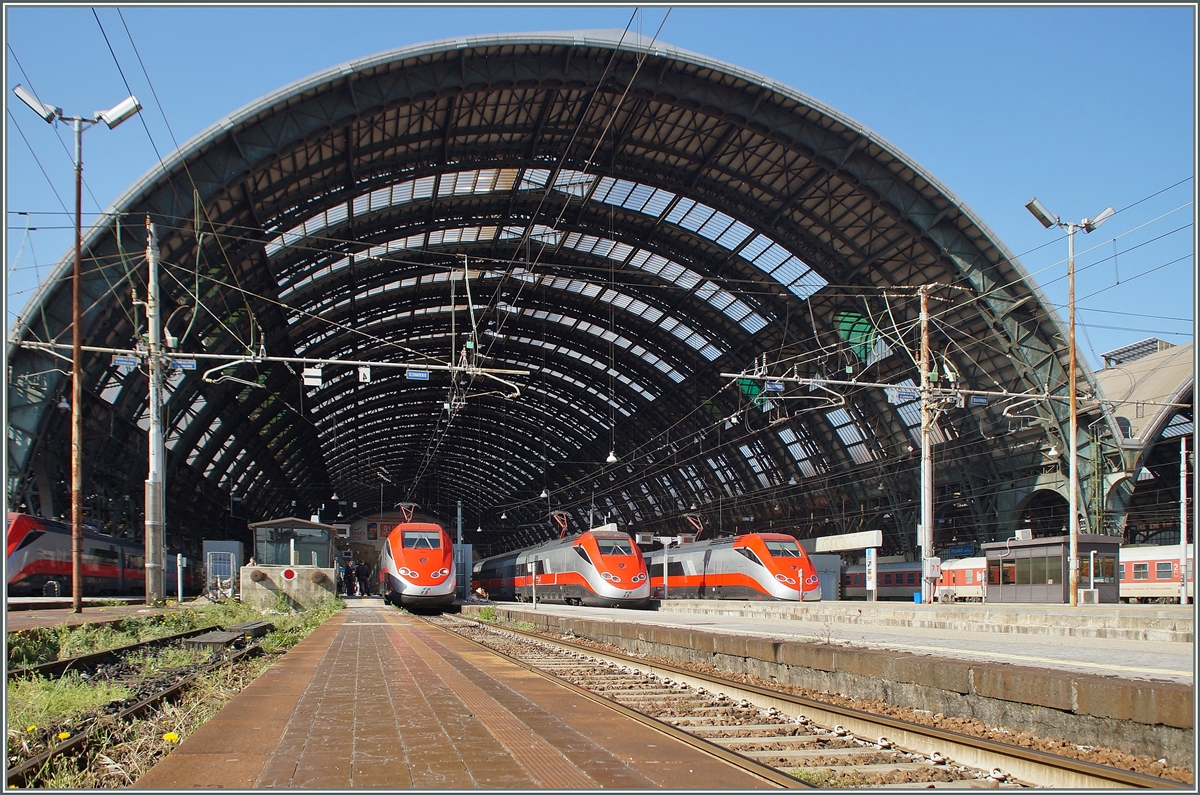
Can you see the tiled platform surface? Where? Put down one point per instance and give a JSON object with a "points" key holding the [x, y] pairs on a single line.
{"points": [[376, 699]]}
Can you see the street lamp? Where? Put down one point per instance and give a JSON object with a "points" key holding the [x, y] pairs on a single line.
{"points": [[112, 117], [1049, 219]]}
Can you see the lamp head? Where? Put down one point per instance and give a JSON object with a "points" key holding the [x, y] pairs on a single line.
{"points": [[1091, 224], [544, 495], [612, 457], [47, 112], [119, 112], [1047, 218]]}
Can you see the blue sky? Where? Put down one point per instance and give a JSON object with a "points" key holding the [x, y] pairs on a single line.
{"points": [[1084, 107]]}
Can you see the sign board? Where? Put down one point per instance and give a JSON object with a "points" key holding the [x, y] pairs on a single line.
{"points": [[871, 569], [933, 568], [959, 551], [312, 376], [124, 361], [183, 364], [979, 400], [907, 394], [773, 386], [847, 541], [644, 538], [364, 374], [416, 375]]}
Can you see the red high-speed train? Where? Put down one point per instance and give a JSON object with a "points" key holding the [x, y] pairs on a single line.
{"points": [[39, 562], [601, 567], [417, 566], [750, 566]]}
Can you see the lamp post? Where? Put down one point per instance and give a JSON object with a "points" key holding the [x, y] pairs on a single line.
{"points": [[1049, 219], [112, 117]]}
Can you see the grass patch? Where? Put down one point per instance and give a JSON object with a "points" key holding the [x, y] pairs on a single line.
{"points": [[44, 702], [118, 754], [486, 614]]}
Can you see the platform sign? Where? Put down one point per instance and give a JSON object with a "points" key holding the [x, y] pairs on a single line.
{"points": [[959, 551], [416, 375], [773, 386], [871, 569], [979, 400], [183, 364], [124, 361]]}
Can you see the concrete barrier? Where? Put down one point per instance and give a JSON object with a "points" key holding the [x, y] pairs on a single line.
{"points": [[1133, 716], [1166, 623], [296, 587]]}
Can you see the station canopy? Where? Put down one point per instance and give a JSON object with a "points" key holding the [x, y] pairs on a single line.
{"points": [[590, 234]]}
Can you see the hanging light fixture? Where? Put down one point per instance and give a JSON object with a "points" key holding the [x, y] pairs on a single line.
{"points": [[504, 515], [612, 457]]}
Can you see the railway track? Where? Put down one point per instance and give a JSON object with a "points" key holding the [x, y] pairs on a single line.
{"points": [[167, 687], [821, 743], [56, 668]]}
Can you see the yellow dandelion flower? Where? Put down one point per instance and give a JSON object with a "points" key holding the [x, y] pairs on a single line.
{"points": [[64, 735], [171, 737], [31, 728]]}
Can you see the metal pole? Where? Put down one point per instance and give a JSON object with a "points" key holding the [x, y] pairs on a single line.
{"points": [[179, 574], [926, 539], [666, 546], [155, 495], [1183, 522], [77, 386], [459, 522], [1073, 486]]}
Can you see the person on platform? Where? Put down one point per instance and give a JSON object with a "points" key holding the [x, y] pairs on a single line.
{"points": [[363, 573], [348, 578]]}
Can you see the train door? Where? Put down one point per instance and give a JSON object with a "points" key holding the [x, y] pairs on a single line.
{"points": [[704, 574]]}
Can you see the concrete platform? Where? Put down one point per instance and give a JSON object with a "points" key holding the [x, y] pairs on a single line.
{"points": [[55, 613], [375, 698]]}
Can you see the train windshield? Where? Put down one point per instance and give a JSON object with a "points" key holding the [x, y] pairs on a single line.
{"points": [[783, 549], [422, 539], [614, 546]]}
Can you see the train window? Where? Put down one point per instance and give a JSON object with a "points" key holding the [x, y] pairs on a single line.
{"points": [[911, 578], [106, 556], [1141, 571], [749, 555], [674, 569], [30, 537], [422, 539], [581, 552], [614, 546], [1121, 571], [783, 549], [970, 576], [887, 578], [1162, 570]]}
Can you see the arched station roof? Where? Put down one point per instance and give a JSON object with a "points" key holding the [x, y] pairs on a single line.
{"points": [[634, 220]]}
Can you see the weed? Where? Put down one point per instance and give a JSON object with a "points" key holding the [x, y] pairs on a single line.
{"points": [[487, 614], [38, 701], [824, 779]]}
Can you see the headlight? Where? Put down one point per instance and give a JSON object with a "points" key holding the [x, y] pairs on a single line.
{"points": [[405, 571], [785, 578]]}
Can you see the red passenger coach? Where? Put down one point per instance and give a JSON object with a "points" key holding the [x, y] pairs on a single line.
{"points": [[417, 569], [1151, 574], [962, 580], [750, 566]]}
